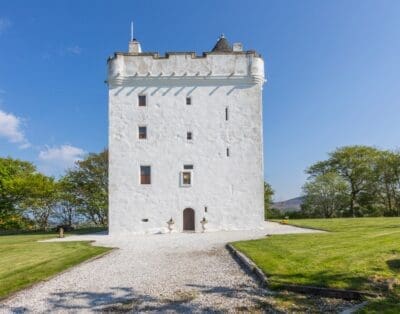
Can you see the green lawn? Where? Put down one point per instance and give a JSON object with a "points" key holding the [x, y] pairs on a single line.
{"points": [[356, 253], [24, 261]]}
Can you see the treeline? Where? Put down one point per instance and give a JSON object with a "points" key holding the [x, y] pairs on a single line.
{"points": [[31, 200], [355, 181]]}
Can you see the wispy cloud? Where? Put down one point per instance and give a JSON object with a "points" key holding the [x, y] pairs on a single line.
{"points": [[75, 50], [11, 129], [55, 160], [5, 23], [62, 51]]}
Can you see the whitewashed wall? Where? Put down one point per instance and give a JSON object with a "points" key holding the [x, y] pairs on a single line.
{"points": [[230, 187]]}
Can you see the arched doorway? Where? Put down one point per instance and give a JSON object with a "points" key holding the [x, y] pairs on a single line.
{"points": [[188, 219]]}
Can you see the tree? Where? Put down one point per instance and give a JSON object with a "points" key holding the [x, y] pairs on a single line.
{"points": [[355, 164], [387, 185], [66, 211], [268, 193], [326, 195], [88, 183], [43, 199], [15, 186]]}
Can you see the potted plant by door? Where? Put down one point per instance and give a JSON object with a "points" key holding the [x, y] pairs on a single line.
{"points": [[203, 224], [170, 224]]}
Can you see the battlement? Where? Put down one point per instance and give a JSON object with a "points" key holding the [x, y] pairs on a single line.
{"points": [[157, 55], [246, 66], [224, 63]]}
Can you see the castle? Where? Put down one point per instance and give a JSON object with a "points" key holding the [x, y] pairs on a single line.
{"points": [[185, 140]]}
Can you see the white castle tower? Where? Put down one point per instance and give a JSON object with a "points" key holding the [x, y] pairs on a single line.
{"points": [[185, 140]]}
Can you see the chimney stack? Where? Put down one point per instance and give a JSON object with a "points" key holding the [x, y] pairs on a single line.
{"points": [[134, 47], [237, 47]]}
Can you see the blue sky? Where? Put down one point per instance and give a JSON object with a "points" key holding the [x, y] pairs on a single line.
{"points": [[333, 70]]}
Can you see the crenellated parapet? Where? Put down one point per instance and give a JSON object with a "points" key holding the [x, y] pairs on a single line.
{"points": [[242, 67]]}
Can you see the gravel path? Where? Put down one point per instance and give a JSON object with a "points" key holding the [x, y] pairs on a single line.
{"points": [[179, 272]]}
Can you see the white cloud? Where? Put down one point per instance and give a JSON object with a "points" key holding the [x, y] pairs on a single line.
{"points": [[61, 51], [76, 50], [55, 160], [11, 129], [4, 24]]}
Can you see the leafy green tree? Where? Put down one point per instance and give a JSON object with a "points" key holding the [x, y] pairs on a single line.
{"points": [[326, 195], [43, 200], [15, 185], [88, 184], [387, 183], [268, 193], [66, 212], [355, 164]]}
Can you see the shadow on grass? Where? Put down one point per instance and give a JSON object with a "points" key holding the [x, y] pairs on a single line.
{"points": [[388, 304], [326, 279], [394, 264]]}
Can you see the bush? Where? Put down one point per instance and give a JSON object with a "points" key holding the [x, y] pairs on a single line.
{"points": [[15, 222]]}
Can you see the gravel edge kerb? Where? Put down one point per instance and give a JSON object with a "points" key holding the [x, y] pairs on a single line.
{"points": [[252, 268], [248, 265]]}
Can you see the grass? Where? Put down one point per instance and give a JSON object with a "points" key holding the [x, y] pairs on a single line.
{"points": [[24, 261], [357, 253]]}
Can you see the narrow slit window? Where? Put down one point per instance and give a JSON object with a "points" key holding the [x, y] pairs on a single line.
{"points": [[188, 167], [189, 136], [227, 152], [188, 101], [142, 101], [145, 175], [142, 132], [226, 114]]}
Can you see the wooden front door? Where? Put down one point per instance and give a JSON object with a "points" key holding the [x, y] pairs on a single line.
{"points": [[188, 219]]}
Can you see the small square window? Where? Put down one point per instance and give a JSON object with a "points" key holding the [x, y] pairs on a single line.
{"points": [[188, 167], [145, 175], [188, 101], [142, 100], [142, 132], [189, 136], [186, 178]]}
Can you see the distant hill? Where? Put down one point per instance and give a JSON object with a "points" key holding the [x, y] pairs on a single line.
{"points": [[294, 204]]}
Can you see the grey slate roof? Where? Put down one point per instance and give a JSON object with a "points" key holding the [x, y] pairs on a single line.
{"points": [[222, 45]]}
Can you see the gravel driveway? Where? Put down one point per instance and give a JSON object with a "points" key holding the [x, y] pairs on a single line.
{"points": [[179, 272]]}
